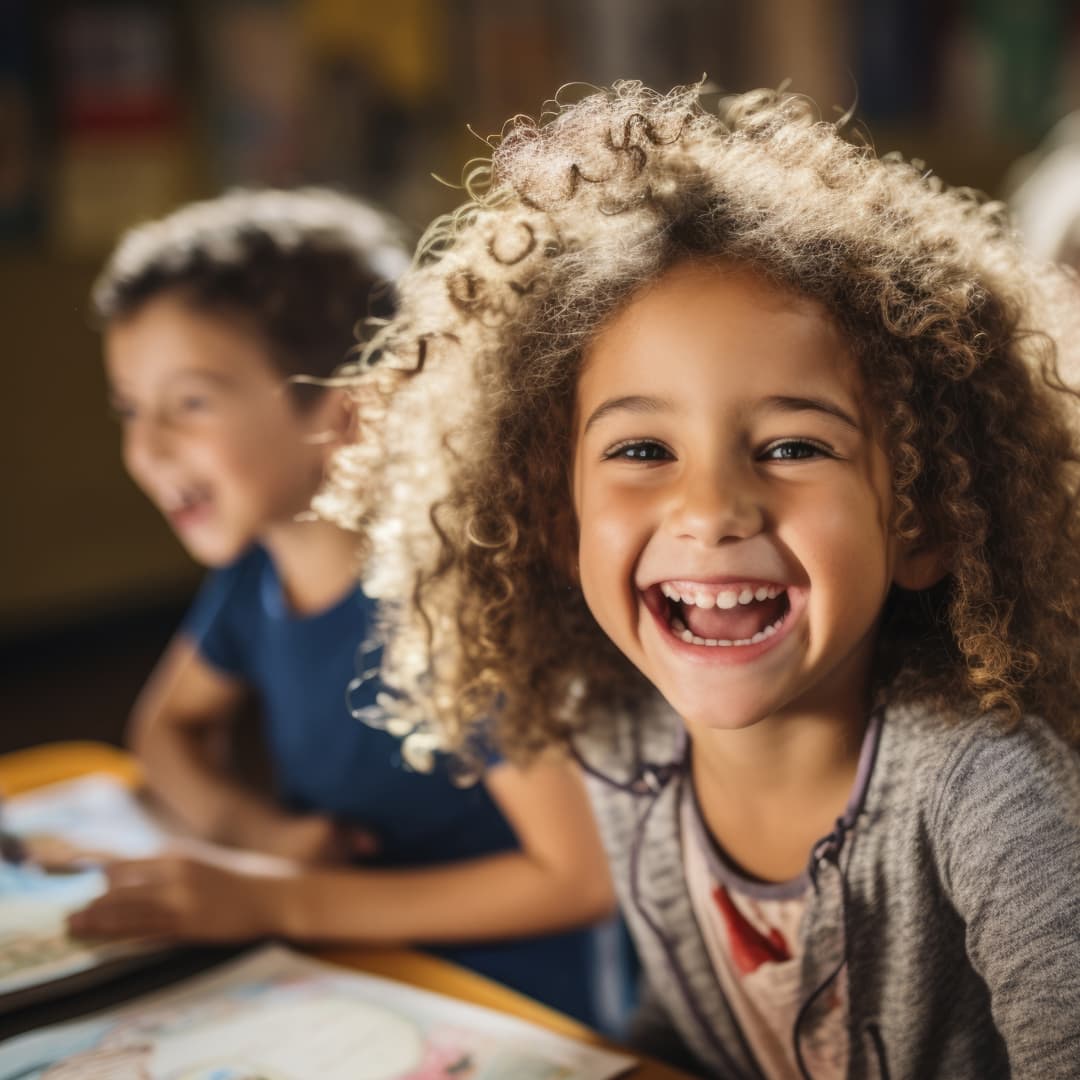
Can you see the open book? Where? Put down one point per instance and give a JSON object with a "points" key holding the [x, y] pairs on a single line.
{"points": [[276, 1014], [95, 813]]}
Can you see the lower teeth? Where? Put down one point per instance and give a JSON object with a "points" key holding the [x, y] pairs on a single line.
{"points": [[682, 631]]}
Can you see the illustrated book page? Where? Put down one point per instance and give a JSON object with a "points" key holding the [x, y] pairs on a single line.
{"points": [[276, 1014]]}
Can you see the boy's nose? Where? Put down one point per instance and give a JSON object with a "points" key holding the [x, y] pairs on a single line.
{"points": [[715, 505], [146, 445]]}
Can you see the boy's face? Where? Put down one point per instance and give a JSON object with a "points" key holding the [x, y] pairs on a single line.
{"points": [[210, 433], [732, 501]]}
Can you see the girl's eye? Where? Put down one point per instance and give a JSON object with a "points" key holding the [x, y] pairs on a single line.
{"points": [[643, 450], [795, 450]]}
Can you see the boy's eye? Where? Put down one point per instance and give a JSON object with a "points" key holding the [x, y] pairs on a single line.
{"points": [[121, 411], [642, 450], [795, 450], [192, 404]]}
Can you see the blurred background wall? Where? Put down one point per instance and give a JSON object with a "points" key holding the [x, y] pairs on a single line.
{"points": [[112, 111]]}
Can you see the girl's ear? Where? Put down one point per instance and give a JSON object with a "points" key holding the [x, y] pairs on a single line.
{"points": [[918, 567]]}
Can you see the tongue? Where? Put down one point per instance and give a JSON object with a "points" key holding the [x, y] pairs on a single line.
{"points": [[734, 624]]}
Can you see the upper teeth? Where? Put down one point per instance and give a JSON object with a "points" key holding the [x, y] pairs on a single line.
{"points": [[721, 598]]}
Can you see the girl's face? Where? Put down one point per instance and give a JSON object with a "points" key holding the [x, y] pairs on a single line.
{"points": [[733, 502], [210, 434]]}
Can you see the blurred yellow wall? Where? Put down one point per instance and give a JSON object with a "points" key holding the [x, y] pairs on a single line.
{"points": [[77, 533]]}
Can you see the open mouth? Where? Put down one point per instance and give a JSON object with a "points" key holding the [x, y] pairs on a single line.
{"points": [[186, 506], [731, 615]]}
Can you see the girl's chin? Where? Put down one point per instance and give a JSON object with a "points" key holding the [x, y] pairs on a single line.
{"points": [[705, 718]]}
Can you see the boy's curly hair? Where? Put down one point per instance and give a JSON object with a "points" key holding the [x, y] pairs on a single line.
{"points": [[463, 479], [300, 267]]}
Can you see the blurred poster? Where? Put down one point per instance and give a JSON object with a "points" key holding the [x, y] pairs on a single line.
{"points": [[255, 81], [121, 150]]}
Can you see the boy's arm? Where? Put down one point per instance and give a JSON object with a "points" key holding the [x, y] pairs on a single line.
{"points": [[183, 702], [557, 880]]}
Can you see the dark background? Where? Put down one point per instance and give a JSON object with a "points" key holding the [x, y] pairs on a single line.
{"points": [[114, 111]]}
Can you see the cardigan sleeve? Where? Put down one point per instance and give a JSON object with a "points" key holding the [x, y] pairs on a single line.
{"points": [[1008, 830]]}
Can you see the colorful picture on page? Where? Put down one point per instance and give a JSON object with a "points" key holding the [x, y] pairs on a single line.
{"points": [[279, 1015]]}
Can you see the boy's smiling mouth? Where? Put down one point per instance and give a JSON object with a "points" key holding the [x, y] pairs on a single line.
{"points": [[186, 506], [727, 615]]}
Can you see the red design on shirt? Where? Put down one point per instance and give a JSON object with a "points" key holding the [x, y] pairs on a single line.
{"points": [[750, 948]]}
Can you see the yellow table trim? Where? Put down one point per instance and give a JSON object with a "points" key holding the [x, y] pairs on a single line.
{"points": [[50, 763]]}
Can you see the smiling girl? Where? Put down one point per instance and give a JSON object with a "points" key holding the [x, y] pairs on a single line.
{"points": [[754, 485]]}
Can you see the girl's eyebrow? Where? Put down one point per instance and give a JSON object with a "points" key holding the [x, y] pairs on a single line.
{"points": [[640, 403], [635, 403], [812, 404]]}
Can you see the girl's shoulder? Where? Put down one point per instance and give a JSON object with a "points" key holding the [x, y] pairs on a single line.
{"points": [[956, 805], [978, 762], [921, 733]]}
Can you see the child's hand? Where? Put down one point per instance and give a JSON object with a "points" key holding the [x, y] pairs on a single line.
{"points": [[178, 897], [57, 855]]}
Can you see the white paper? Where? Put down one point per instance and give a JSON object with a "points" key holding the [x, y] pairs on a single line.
{"points": [[96, 812]]}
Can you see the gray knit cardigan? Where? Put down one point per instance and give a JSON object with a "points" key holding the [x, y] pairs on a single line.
{"points": [[951, 894]]}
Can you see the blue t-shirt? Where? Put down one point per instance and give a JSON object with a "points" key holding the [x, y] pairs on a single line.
{"points": [[327, 762]]}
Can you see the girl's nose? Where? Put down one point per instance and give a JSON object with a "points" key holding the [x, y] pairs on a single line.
{"points": [[714, 505]]}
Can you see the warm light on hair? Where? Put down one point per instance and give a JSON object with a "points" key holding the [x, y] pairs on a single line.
{"points": [[461, 476]]}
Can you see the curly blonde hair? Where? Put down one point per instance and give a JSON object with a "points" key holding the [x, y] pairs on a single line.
{"points": [[461, 480]]}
